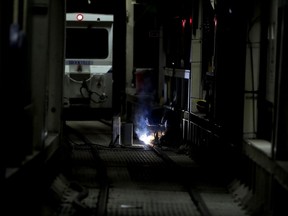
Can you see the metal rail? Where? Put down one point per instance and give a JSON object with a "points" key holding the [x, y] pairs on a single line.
{"points": [[195, 196], [101, 167]]}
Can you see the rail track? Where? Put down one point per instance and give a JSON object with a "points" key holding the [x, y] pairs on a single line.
{"points": [[136, 180]]}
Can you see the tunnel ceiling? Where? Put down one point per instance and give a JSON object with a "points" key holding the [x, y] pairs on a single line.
{"points": [[161, 8], [93, 6]]}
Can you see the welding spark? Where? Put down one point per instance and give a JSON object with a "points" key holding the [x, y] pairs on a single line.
{"points": [[147, 139]]}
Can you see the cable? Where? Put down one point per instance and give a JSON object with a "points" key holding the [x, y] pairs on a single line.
{"points": [[102, 97], [76, 81]]}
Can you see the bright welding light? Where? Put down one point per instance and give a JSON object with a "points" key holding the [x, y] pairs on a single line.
{"points": [[147, 139]]}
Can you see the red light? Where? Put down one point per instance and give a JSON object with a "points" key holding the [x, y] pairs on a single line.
{"points": [[190, 20], [79, 17], [183, 23]]}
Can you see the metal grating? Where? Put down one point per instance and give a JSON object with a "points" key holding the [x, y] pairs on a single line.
{"points": [[150, 203], [143, 184], [140, 183], [130, 157]]}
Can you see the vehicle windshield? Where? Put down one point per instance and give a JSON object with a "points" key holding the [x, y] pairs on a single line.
{"points": [[87, 43]]}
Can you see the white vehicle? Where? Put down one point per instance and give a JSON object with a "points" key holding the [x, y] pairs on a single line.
{"points": [[88, 64]]}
